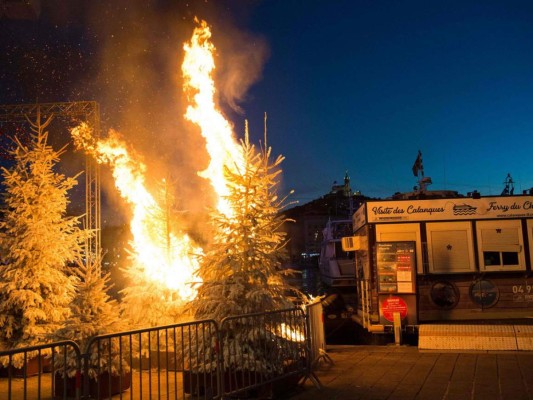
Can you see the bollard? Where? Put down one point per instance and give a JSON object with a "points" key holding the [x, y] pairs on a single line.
{"points": [[397, 329]]}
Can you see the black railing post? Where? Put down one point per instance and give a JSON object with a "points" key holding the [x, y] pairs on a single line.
{"points": [[84, 381]]}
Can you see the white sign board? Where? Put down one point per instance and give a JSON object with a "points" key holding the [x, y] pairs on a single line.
{"points": [[449, 209]]}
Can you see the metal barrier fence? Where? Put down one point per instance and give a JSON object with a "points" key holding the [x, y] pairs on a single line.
{"points": [[270, 347], [28, 373], [193, 360], [158, 361]]}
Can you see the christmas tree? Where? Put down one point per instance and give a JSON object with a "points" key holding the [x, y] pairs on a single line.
{"points": [[38, 241], [147, 302], [241, 272], [160, 261], [94, 313]]}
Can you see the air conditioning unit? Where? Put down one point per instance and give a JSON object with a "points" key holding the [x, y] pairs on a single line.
{"points": [[353, 243]]}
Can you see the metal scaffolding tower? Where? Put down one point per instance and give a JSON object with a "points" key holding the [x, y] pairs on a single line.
{"points": [[88, 111]]}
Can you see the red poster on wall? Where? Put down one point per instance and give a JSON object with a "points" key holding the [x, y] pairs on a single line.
{"points": [[393, 305]]}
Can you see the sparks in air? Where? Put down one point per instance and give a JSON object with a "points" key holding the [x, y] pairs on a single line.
{"points": [[172, 270], [225, 152]]}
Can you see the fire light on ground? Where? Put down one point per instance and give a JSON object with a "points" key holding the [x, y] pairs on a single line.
{"points": [[172, 269], [286, 332], [224, 151]]}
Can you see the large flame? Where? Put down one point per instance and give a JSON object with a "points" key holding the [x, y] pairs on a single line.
{"points": [[174, 272], [225, 152], [172, 264]]}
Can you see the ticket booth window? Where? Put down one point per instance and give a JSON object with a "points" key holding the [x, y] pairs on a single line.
{"points": [[500, 258], [450, 247], [500, 245]]}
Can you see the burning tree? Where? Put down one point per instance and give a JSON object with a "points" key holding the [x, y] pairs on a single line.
{"points": [[161, 258], [165, 213], [241, 272], [38, 240]]}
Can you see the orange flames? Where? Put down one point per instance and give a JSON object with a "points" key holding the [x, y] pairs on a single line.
{"points": [[198, 66], [286, 332], [169, 265], [171, 270], [170, 259]]}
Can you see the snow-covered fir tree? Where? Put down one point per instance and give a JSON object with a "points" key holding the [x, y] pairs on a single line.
{"points": [[38, 240], [241, 271], [94, 313]]}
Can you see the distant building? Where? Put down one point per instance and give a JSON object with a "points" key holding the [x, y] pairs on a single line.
{"points": [[305, 233]]}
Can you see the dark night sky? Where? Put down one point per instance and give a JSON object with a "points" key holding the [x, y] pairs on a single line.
{"points": [[363, 85], [347, 85]]}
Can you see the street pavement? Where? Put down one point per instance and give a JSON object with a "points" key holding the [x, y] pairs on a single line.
{"points": [[351, 372], [403, 372]]}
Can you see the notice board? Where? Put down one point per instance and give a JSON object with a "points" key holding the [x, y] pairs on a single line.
{"points": [[395, 264]]}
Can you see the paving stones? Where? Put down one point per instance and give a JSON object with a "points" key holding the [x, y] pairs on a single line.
{"points": [[403, 373]]}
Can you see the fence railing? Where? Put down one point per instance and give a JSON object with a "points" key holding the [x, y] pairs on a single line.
{"points": [[193, 360], [151, 361], [270, 346], [28, 373]]}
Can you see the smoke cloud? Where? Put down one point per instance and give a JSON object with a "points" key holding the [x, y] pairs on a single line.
{"points": [[136, 51]]}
